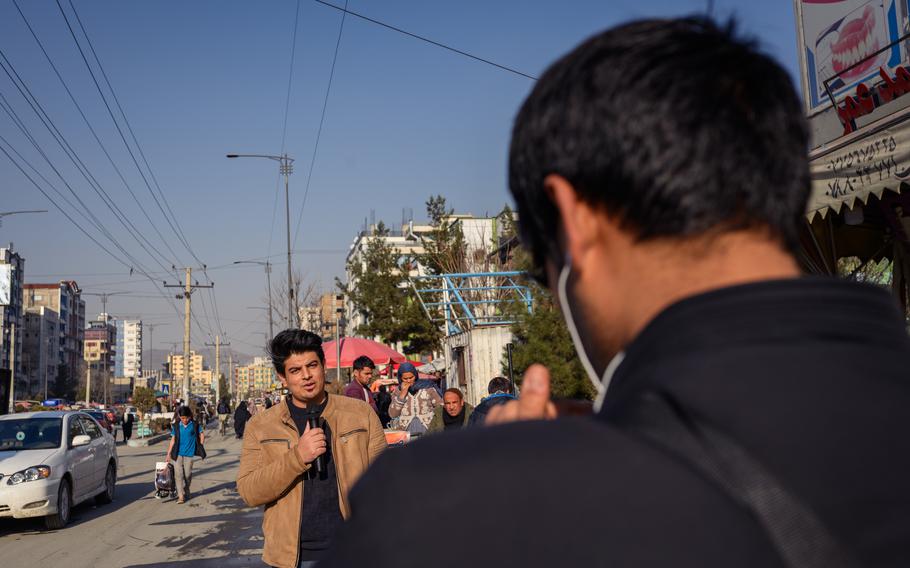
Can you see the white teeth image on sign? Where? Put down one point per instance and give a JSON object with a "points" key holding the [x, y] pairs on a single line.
{"points": [[861, 34]]}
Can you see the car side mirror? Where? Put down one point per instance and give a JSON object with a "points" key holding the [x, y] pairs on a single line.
{"points": [[81, 440]]}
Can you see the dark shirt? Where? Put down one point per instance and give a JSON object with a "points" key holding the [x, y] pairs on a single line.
{"points": [[321, 514], [808, 375]]}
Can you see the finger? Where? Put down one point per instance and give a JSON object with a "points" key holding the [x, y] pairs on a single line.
{"points": [[502, 413], [307, 429], [534, 402]]}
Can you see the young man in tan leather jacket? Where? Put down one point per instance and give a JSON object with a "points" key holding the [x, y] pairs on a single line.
{"points": [[312, 443]]}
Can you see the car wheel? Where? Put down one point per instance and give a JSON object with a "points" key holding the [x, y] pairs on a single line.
{"points": [[110, 483], [64, 508]]}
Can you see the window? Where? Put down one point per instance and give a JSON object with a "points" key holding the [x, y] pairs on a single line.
{"points": [[91, 427], [75, 429]]}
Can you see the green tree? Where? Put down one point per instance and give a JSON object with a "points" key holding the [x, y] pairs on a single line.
{"points": [[379, 291], [64, 385], [542, 337], [445, 250], [143, 399]]}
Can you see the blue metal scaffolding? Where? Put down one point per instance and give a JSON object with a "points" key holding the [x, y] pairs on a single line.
{"points": [[473, 299]]}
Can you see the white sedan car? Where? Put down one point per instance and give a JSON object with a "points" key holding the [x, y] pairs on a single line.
{"points": [[51, 461]]}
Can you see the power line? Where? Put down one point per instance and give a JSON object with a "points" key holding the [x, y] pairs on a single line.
{"points": [[107, 105], [287, 100], [325, 104], [179, 230], [97, 138], [61, 140], [428, 40]]}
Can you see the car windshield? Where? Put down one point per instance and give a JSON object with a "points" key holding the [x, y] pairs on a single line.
{"points": [[30, 433]]}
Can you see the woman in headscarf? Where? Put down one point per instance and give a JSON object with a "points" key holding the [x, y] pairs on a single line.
{"points": [[411, 405], [241, 415]]}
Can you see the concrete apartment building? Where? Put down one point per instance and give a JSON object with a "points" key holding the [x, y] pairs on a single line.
{"points": [[64, 298], [256, 378], [128, 353], [176, 366], [100, 342], [12, 272], [40, 350]]}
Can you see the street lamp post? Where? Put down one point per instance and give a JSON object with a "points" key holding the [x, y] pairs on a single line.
{"points": [[285, 167], [268, 283]]}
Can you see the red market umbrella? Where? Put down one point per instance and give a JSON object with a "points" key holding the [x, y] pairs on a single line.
{"points": [[415, 363], [354, 347]]}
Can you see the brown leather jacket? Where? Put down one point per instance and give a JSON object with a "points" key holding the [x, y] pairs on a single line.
{"points": [[271, 471]]}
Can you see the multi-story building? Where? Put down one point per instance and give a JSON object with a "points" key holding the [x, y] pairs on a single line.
{"points": [[331, 314], [65, 298], [176, 366], [256, 378], [100, 342], [128, 354], [12, 270], [40, 349], [152, 379]]}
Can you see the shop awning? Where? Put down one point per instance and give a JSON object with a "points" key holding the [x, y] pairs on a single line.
{"points": [[859, 167]]}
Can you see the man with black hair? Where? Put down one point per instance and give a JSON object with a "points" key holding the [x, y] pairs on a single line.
{"points": [[362, 373], [500, 392], [746, 415], [301, 456], [187, 439]]}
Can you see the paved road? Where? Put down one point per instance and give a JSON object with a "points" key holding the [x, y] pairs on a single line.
{"points": [[214, 528]]}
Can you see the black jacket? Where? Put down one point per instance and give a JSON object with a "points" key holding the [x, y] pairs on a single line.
{"points": [[808, 375]]}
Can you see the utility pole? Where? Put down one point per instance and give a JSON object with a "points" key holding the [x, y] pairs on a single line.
{"points": [[231, 388], [88, 385], [188, 289], [268, 283], [217, 345], [12, 366]]}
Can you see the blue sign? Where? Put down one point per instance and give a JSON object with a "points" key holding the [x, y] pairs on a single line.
{"points": [[166, 389]]}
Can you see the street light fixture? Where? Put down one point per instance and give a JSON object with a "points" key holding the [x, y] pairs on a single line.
{"points": [[268, 283], [285, 167]]}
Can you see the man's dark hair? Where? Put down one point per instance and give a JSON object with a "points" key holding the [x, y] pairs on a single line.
{"points": [[677, 127], [294, 341], [185, 411], [363, 362], [499, 384], [458, 392]]}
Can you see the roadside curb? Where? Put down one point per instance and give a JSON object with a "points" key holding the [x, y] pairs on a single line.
{"points": [[142, 442]]}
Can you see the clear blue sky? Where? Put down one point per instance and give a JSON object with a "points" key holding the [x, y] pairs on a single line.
{"points": [[197, 80]]}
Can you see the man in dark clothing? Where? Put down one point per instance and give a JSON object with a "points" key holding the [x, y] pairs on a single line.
{"points": [[362, 372], [745, 415], [500, 392]]}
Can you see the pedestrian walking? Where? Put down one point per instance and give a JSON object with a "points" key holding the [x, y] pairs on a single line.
{"points": [[411, 405], [746, 415], [454, 413], [301, 457], [187, 446], [127, 425], [241, 416], [362, 374], [224, 412]]}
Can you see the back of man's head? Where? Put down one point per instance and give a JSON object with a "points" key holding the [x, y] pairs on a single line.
{"points": [[675, 127], [499, 385]]}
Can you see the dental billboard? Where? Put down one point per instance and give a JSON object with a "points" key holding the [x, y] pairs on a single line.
{"points": [[847, 42]]}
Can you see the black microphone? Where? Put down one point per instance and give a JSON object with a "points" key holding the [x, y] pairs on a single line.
{"points": [[313, 421]]}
